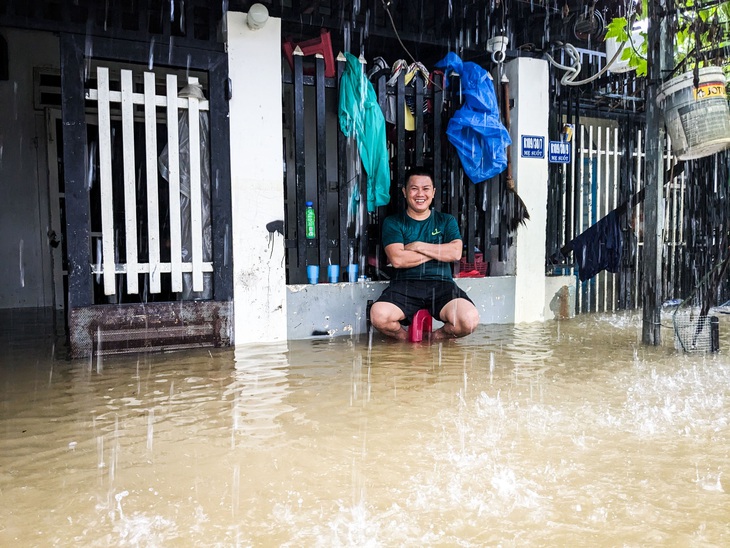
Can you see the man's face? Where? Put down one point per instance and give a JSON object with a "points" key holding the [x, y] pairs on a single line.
{"points": [[419, 193]]}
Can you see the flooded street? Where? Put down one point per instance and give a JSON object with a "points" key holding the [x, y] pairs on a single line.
{"points": [[557, 434]]}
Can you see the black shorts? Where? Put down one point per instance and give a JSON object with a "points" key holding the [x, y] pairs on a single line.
{"points": [[412, 295]]}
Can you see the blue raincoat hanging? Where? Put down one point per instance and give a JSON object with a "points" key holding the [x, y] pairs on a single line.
{"points": [[475, 129]]}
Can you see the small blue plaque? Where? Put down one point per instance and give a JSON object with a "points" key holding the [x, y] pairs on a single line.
{"points": [[559, 152], [533, 146]]}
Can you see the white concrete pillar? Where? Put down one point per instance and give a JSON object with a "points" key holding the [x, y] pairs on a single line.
{"points": [[528, 82], [257, 188]]}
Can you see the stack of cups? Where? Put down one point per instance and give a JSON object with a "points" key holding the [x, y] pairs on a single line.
{"points": [[352, 273], [333, 273], [313, 273]]}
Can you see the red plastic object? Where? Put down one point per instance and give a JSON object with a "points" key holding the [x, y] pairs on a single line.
{"points": [[322, 45], [477, 269], [422, 321]]}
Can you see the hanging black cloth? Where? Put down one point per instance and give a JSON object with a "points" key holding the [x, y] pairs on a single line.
{"points": [[599, 247]]}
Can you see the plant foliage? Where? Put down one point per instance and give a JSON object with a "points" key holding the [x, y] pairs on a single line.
{"points": [[700, 29]]}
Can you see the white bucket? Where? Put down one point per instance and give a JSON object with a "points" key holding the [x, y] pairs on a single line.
{"points": [[612, 46], [697, 120]]}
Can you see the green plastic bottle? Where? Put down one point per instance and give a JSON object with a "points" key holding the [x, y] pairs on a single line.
{"points": [[311, 222]]}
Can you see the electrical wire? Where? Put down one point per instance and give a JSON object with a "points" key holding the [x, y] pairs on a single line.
{"points": [[573, 70], [392, 23]]}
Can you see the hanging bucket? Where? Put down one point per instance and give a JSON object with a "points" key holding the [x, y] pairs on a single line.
{"points": [[697, 119]]}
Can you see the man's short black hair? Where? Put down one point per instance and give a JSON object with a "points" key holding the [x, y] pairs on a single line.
{"points": [[418, 170]]}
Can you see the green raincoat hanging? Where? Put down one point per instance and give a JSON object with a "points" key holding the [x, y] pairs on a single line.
{"points": [[360, 115]]}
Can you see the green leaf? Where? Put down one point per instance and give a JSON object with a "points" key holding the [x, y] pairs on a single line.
{"points": [[617, 29]]}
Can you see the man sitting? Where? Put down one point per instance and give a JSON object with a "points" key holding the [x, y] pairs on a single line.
{"points": [[421, 244]]}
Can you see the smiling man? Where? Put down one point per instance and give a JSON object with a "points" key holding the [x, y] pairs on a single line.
{"points": [[421, 244]]}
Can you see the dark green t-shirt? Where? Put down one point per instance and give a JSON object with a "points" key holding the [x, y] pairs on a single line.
{"points": [[439, 228]]}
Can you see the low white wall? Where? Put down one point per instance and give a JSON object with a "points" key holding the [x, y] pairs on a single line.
{"points": [[340, 309]]}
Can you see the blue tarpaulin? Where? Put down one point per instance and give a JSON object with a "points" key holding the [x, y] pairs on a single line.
{"points": [[475, 129]]}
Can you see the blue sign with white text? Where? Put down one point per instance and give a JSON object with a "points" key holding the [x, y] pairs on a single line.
{"points": [[533, 146], [559, 152]]}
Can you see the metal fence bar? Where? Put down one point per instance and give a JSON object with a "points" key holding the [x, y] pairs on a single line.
{"points": [[614, 204], [323, 257], [130, 195], [196, 202], [639, 215], [299, 169], [600, 211], [105, 182], [173, 147], [343, 184], [153, 219]]}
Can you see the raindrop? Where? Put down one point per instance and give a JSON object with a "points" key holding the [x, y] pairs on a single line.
{"points": [[98, 261], [235, 489], [346, 36], [182, 15], [88, 53], [91, 164], [150, 428], [99, 360], [150, 60], [225, 247], [100, 452], [20, 260]]}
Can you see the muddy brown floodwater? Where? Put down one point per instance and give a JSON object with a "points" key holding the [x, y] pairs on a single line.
{"points": [[559, 434]]}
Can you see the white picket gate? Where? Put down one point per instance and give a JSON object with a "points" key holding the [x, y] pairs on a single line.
{"points": [[109, 265], [595, 164]]}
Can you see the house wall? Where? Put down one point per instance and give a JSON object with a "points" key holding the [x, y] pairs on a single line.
{"points": [[257, 189], [529, 89], [265, 308], [25, 254]]}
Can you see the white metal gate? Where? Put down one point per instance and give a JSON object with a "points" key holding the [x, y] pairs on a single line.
{"points": [[595, 164], [108, 263]]}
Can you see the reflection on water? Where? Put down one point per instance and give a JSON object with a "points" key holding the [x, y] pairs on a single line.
{"points": [[556, 434]]}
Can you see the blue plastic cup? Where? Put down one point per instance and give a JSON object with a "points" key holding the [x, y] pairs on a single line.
{"points": [[333, 273], [313, 273], [352, 273]]}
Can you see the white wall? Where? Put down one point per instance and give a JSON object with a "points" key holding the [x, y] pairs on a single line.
{"points": [[528, 79], [25, 271], [257, 190]]}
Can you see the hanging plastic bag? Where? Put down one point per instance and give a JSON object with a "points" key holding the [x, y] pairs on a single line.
{"points": [[475, 130]]}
